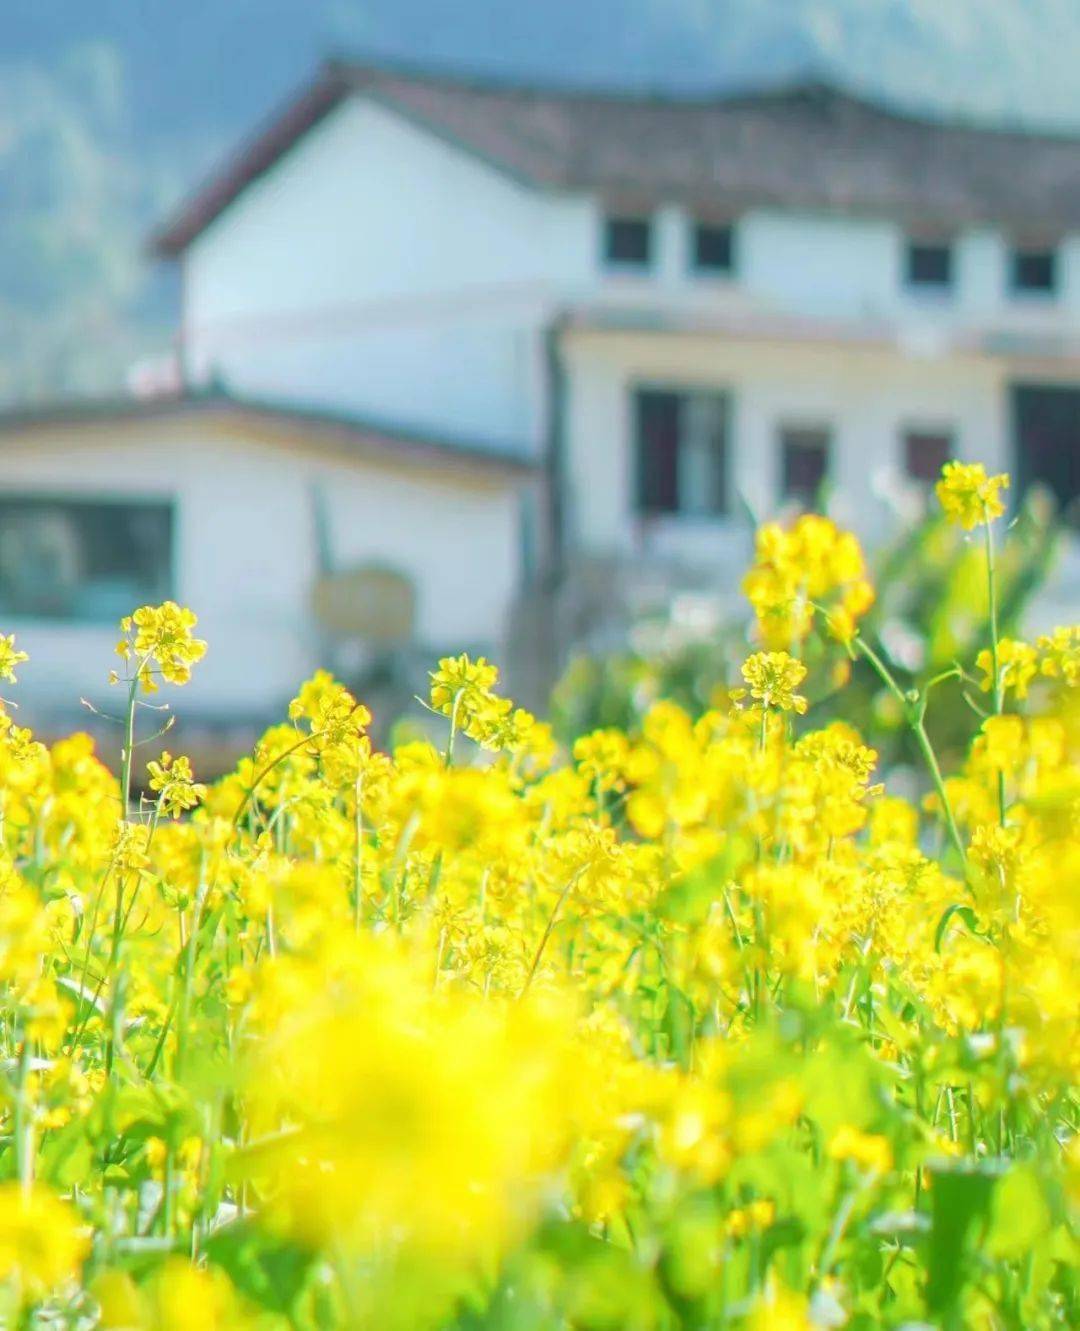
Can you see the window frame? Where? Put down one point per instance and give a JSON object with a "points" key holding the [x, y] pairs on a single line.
{"points": [[914, 430], [700, 226], [614, 219], [1018, 255], [929, 286], [1037, 407], [67, 500], [721, 507], [785, 432]]}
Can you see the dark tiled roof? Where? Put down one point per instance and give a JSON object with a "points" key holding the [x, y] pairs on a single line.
{"points": [[811, 146], [338, 432]]}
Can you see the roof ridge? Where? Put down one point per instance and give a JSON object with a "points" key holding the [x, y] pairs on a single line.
{"points": [[359, 69]]}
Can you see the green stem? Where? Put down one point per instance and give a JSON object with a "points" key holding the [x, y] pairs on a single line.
{"points": [[449, 762], [184, 1010], [24, 1154], [128, 752], [90, 928], [570, 882], [265, 771], [836, 1232], [991, 583], [998, 681], [930, 758], [915, 712], [358, 833]]}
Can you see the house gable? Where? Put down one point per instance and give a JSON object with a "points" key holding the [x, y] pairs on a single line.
{"points": [[367, 205]]}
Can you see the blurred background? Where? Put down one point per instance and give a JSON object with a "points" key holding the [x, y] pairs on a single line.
{"points": [[375, 329]]}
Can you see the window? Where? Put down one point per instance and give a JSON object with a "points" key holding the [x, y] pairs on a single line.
{"points": [[628, 241], [681, 441], [1046, 420], [713, 248], [1034, 271], [929, 266], [805, 464], [925, 453], [82, 560]]}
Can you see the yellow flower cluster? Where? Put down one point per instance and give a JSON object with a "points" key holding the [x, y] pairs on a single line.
{"points": [[173, 781], [10, 658], [969, 496], [703, 1024], [812, 567], [159, 641], [772, 678]]}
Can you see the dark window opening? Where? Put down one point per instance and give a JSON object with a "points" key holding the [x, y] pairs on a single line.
{"points": [[929, 265], [681, 443], [1034, 271], [628, 240], [83, 560], [925, 453], [805, 465], [1047, 421], [713, 248]]}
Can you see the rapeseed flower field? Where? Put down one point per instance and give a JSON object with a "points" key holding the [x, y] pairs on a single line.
{"points": [[699, 1026]]}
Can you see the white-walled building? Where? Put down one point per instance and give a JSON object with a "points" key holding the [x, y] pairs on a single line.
{"points": [[265, 520], [623, 328]]}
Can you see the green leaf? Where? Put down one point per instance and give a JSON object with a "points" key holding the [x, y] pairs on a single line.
{"points": [[270, 1270], [679, 1021], [690, 898], [67, 1158], [959, 910], [961, 1194], [1020, 1217]]}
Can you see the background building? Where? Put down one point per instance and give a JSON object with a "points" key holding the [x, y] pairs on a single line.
{"points": [[540, 359]]}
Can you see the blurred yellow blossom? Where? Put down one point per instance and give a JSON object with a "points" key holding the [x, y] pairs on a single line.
{"points": [[969, 496]]}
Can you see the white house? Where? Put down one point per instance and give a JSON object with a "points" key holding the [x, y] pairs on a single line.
{"points": [[618, 329], [264, 519]]}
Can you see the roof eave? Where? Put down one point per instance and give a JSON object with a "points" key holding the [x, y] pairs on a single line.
{"points": [[340, 433], [300, 115]]}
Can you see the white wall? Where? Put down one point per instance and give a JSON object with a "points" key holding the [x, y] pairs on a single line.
{"points": [[820, 266], [866, 396], [852, 270], [378, 268], [245, 552]]}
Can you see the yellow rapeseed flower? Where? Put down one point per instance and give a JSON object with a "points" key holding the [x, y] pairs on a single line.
{"points": [[870, 1151], [175, 784], [1061, 655], [779, 1309], [772, 678], [41, 1239], [10, 658], [1017, 665], [160, 640], [463, 682], [969, 496]]}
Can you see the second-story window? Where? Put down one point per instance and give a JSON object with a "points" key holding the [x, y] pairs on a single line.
{"points": [[627, 241], [804, 464], [714, 249], [929, 265], [1034, 271], [681, 446]]}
